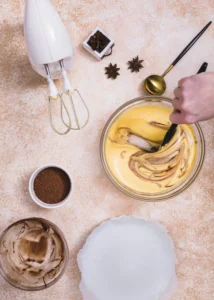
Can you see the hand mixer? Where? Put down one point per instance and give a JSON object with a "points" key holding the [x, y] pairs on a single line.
{"points": [[51, 54]]}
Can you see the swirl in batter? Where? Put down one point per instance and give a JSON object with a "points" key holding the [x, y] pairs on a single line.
{"points": [[146, 172]]}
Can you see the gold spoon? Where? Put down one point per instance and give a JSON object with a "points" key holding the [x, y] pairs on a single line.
{"points": [[155, 84]]}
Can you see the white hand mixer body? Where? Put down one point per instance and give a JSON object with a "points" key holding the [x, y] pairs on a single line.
{"points": [[51, 54]]}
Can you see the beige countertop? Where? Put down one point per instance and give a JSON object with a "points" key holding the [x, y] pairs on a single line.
{"points": [[156, 31]]}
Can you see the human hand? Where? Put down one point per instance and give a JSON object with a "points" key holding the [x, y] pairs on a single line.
{"points": [[194, 99]]}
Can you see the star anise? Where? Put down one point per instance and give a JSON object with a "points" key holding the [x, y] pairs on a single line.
{"points": [[135, 64], [112, 71]]}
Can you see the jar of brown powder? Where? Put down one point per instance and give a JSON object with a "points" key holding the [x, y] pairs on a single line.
{"points": [[50, 186]]}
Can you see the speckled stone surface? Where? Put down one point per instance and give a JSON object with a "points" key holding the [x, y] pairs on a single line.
{"points": [[156, 31]]}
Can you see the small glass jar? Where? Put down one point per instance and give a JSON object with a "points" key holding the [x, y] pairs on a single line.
{"points": [[173, 191], [16, 282]]}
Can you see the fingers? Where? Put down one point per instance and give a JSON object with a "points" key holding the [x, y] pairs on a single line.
{"points": [[177, 92], [176, 117], [184, 82], [183, 111], [192, 100], [179, 117], [176, 104], [181, 102]]}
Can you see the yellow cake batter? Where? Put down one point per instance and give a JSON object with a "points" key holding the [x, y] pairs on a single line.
{"points": [[149, 172]]}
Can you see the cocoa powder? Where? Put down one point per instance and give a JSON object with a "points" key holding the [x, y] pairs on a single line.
{"points": [[52, 185]]}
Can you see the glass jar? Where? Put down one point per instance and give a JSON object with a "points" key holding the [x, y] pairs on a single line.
{"points": [[173, 191], [12, 276]]}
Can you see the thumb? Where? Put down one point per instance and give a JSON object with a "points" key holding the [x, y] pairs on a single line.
{"points": [[176, 117]]}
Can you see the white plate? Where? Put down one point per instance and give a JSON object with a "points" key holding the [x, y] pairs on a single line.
{"points": [[128, 258]]}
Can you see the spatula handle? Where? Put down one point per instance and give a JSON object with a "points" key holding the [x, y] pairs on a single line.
{"points": [[203, 68]]}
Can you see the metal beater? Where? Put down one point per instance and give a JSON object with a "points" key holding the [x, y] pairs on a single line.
{"points": [[73, 119]]}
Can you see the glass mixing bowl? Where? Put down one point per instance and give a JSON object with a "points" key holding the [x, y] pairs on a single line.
{"points": [[11, 275], [172, 191]]}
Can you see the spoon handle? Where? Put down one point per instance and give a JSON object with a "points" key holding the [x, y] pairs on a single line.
{"points": [[171, 131], [186, 49], [191, 44]]}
